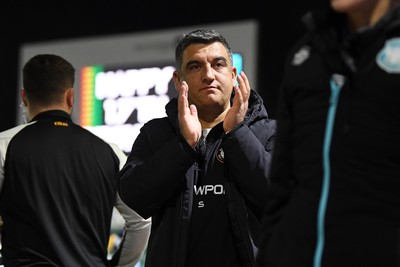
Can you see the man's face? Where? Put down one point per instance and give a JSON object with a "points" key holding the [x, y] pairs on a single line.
{"points": [[209, 74]]}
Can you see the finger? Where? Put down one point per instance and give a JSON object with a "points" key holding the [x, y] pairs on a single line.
{"points": [[238, 98], [244, 84], [193, 110], [243, 81], [182, 99]]}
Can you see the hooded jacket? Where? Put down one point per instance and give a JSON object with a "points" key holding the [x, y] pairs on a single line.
{"points": [[162, 171], [335, 175]]}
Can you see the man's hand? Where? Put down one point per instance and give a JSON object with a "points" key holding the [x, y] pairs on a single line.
{"points": [[188, 118], [236, 113]]}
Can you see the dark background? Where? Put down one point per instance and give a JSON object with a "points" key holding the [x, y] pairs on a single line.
{"points": [[35, 20]]}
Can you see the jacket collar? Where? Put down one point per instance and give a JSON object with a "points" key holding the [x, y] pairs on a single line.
{"points": [[52, 114]]}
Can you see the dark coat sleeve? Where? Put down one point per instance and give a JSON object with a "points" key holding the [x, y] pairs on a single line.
{"points": [[155, 168]]}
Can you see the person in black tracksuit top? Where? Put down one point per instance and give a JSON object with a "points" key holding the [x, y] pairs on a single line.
{"points": [[335, 175], [205, 198], [58, 182]]}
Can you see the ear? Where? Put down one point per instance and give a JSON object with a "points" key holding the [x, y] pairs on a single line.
{"points": [[70, 98], [23, 97], [234, 75], [177, 80]]}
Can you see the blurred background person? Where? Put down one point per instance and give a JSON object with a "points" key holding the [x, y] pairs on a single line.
{"points": [[335, 174], [58, 181]]}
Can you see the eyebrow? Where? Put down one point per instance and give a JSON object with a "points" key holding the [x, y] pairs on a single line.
{"points": [[192, 62]]}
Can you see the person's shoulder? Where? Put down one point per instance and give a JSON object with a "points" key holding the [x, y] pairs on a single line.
{"points": [[93, 136], [102, 143], [157, 122], [90, 136], [117, 151], [9, 133], [160, 129]]}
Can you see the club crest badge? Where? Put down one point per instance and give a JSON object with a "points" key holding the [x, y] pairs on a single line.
{"points": [[302, 55], [389, 57], [220, 155]]}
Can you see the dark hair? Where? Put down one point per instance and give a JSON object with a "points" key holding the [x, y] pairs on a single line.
{"points": [[202, 36], [46, 77]]}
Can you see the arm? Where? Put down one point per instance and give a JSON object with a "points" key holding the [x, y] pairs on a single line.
{"points": [[248, 159], [5, 138], [3, 149], [248, 148], [136, 230], [282, 180], [135, 237], [155, 170], [281, 176]]}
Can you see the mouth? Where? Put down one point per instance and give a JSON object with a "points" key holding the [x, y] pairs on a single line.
{"points": [[208, 88]]}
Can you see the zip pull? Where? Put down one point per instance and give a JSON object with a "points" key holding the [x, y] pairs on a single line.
{"points": [[337, 82]]}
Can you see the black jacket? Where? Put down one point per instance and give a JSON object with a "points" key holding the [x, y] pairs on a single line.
{"points": [[335, 176], [162, 169], [59, 190]]}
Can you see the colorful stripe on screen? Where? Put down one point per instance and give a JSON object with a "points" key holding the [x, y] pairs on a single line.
{"points": [[91, 113]]}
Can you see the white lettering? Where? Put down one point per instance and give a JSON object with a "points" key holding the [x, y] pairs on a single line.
{"points": [[131, 82], [201, 204], [117, 111], [217, 189]]}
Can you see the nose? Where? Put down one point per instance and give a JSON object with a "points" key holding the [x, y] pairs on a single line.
{"points": [[208, 74]]}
